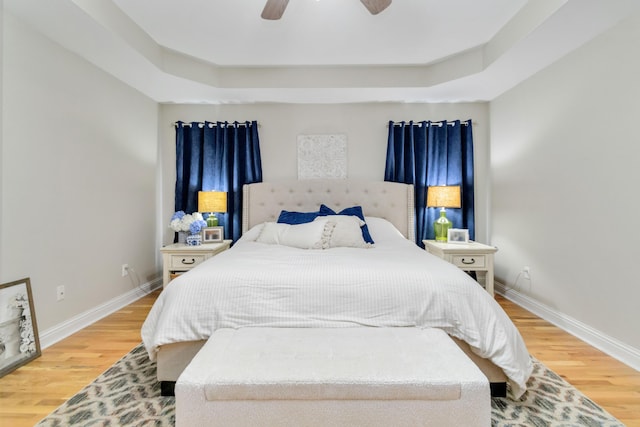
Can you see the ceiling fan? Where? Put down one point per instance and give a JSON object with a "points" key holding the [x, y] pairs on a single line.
{"points": [[274, 9]]}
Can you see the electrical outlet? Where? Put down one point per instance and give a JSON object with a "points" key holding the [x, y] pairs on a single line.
{"points": [[60, 292], [125, 269], [526, 273]]}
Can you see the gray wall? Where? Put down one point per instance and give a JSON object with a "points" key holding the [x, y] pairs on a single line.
{"points": [[1, 125], [565, 175], [79, 156], [364, 124]]}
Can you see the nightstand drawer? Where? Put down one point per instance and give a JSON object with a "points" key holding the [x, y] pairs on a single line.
{"points": [[185, 261], [472, 256], [469, 261], [179, 258]]}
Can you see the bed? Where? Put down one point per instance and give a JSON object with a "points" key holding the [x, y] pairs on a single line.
{"points": [[269, 278]]}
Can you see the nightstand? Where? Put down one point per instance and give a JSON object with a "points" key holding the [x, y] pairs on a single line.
{"points": [[472, 256], [178, 258]]}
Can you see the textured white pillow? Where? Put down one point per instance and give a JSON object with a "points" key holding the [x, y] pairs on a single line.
{"points": [[303, 236], [346, 231]]}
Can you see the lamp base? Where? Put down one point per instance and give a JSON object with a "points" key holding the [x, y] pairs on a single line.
{"points": [[212, 220], [441, 227]]}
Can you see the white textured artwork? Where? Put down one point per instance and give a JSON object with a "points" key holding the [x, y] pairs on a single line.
{"points": [[322, 156]]}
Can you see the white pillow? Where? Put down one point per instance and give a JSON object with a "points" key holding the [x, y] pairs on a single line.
{"points": [[270, 233], [345, 232], [345, 219], [303, 236], [382, 230], [251, 234]]}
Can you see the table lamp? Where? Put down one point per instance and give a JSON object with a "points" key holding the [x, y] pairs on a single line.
{"points": [[212, 202], [443, 196]]}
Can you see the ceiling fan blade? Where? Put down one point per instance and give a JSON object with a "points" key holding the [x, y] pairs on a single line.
{"points": [[376, 6], [274, 9]]}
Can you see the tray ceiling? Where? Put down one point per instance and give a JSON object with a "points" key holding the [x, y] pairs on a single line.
{"points": [[321, 51]]}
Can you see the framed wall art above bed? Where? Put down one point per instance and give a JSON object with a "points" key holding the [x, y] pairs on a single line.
{"points": [[322, 156]]}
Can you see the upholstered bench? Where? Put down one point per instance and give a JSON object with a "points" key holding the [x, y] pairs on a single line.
{"points": [[332, 377]]}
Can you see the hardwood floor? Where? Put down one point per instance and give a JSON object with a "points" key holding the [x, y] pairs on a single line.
{"points": [[34, 390], [608, 382], [31, 392]]}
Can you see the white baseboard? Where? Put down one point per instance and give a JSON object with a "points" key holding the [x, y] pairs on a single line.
{"points": [[609, 345], [82, 320]]}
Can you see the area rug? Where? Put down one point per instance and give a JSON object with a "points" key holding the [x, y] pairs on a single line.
{"points": [[127, 394]]}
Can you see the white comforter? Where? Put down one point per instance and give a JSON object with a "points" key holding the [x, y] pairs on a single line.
{"points": [[393, 284]]}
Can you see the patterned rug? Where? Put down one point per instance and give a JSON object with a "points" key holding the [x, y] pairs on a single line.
{"points": [[127, 394]]}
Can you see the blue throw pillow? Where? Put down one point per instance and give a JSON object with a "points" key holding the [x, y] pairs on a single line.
{"points": [[353, 211], [288, 217]]}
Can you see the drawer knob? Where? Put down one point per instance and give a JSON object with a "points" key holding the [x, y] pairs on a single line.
{"points": [[468, 262], [184, 261]]}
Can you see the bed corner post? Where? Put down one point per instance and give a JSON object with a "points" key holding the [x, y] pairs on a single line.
{"points": [[245, 210], [411, 213]]}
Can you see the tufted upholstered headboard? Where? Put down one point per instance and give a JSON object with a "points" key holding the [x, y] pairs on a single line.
{"points": [[263, 201]]}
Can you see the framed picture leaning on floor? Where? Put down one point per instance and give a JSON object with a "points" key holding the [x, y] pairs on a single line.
{"points": [[19, 342]]}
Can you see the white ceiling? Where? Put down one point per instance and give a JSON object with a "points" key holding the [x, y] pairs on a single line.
{"points": [[325, 32], [321, 51]]}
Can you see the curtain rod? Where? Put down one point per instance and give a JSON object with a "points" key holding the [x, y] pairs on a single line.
{"points": [[418, 123], [212, 124], [439, 124]]}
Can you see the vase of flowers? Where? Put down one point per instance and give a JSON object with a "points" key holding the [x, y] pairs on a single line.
{"points": [[188, 226]]}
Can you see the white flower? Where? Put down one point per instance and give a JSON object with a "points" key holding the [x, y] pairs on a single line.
{"points": [[176, 225], [186, 221], [183, 222]]}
